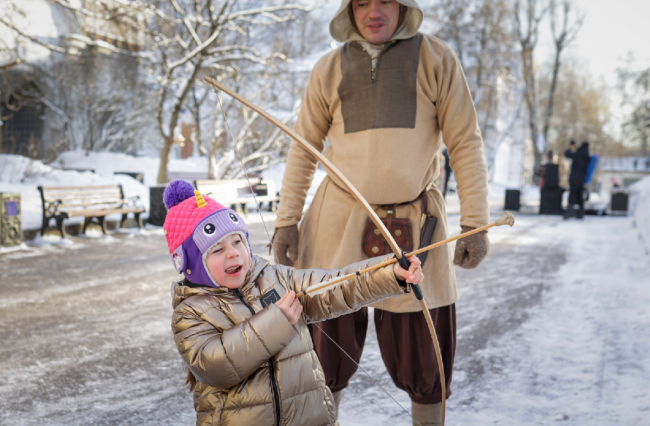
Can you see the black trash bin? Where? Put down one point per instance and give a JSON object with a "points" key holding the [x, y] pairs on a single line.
{"points": [[513, 199], [551, 201], [157, 209], [619, 203]]}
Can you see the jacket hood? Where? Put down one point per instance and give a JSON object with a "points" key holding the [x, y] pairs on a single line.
{"points": [[342, 30], [181, 290]]}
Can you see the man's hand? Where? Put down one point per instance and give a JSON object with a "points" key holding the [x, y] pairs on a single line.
{"points": [[290, 306], [414, 275], [470, 251], [286, 240]]}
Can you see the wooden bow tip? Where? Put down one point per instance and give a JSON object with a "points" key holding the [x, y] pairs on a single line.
{"points": [[211, 82], [506, 219]]}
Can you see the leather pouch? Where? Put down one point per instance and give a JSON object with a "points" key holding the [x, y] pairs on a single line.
{"points": [[374, 243]]}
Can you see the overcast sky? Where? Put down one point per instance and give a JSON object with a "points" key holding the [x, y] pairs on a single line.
{"points": [[611, 29]]}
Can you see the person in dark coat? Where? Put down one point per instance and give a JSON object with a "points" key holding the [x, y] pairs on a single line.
{"points": [[577, 178]]}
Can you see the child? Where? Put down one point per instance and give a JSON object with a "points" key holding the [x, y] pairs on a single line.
{"points": [[239, 326]]}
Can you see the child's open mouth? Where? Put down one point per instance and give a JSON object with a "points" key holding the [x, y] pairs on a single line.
{"points": [[233, 270]]}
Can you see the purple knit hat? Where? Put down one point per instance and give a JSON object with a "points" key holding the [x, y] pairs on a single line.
{"points": [[194, 224]]}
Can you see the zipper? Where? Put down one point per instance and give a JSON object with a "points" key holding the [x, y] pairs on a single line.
{"points": [[274, 384], [276, 394]]}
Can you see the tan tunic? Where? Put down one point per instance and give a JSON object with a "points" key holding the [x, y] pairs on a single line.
{"points": [[384, 136]]}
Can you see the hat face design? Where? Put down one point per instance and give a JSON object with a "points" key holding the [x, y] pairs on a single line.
{"points": [[215, 227], [209, 229]]}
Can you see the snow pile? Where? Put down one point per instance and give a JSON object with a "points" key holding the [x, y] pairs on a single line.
{"points": [[275, 174], [109, 163], [640, 209], [23, 175]]}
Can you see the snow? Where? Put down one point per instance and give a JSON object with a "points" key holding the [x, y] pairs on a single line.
{"points": [[553, 327], [23, 175], [529, 195]]}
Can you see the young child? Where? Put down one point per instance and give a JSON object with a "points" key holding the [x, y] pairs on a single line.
{"points": [[239, 326]]}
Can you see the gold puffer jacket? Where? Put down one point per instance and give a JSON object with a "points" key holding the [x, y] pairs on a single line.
{"points": [[252, 366]]}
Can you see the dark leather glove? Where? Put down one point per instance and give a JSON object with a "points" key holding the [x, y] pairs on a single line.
{"points": [[470, 251], [285, 241]]}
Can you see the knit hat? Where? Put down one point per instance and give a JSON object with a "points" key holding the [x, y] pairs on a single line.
{"points": [[194, 224]]}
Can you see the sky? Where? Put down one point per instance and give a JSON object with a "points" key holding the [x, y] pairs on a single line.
{"points": [[611, 30]]}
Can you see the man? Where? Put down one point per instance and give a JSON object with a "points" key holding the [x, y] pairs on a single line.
{"points": [[383, 99], [577, 178]]}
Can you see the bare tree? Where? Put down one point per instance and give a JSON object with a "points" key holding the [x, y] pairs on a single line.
{"points": [[527, 20], [582, 109], [634, 87], [254, 144], [176, 42], [563, 35], [480, 33], [191, 37], [91, 83]]}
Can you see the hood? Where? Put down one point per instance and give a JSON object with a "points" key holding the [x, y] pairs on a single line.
{"points": [[185, 289], [342, 30]]}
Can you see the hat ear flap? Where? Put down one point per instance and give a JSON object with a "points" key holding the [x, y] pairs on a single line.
{"points": [[179, 258]]}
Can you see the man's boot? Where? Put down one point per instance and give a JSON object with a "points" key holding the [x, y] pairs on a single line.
{"points": [[569, 212], [426, 415], [337, 401]]}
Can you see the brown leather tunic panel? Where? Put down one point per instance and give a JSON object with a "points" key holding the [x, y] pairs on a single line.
{"points": [[390, 99]]}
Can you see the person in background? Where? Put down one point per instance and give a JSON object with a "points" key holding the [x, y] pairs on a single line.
{"points": [[577, 178], [565, 169], [549, 160]]}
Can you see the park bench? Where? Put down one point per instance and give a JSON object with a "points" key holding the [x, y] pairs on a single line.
{"points": [[237, 192], [90, 202]]}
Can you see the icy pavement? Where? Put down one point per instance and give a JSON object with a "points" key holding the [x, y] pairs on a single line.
{"points": [[553, 327]]}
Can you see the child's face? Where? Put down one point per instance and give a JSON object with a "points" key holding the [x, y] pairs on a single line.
{"points": [[228, 261]]}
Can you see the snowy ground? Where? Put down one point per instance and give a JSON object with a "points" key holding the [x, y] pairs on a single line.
{"points": [[553, 327]]}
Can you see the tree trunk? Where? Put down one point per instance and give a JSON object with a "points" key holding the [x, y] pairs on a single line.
{"points": [[163, 175], [173, 122], [531, 100], [551, 94]]}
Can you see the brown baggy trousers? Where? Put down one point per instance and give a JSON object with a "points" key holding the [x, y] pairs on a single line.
{"points": [[405, 344]]}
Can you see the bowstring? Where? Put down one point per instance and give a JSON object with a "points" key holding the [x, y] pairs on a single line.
{"points": [[241, 162], [366, 373]]}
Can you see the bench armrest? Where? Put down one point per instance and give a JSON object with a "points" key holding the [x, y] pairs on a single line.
{"points": [[52, 208]]}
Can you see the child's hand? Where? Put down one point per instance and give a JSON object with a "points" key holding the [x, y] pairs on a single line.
{"points": [[413, 275], [290, 306]]}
